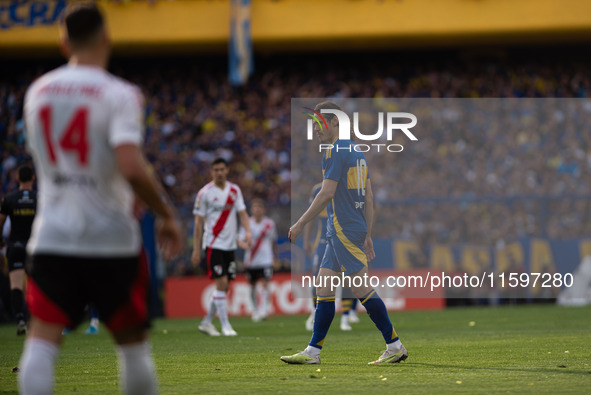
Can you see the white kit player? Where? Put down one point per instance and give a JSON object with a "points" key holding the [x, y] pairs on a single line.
{"points": [[258, 259], [215, 209], [85, 129]]}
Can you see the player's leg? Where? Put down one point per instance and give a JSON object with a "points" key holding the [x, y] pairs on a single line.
{"points": [[17, 299], [310, 320], [227, 262], [37, 363], [325, 310], [267, 275], [315, 267], [353, 318], [221, 303], [16, 266], [136, 365], [252, 281], [56, 299], [325, 306], [345, 310], [93, 329], [116, 287], [376, 309], [206, 325], [221, 268]]}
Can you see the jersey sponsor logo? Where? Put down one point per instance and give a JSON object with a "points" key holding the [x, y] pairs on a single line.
{"points": [[233, 193], [30, 13], [24, 211], [79, 180]]}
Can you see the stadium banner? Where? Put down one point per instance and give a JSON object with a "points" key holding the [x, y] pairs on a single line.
{"points": [[190, 296], [240, 56], [477, 234], [289, 25], [30, 13]]}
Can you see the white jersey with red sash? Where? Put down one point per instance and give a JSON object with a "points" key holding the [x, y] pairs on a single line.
{"points": [[218, 207], [264, 236]]}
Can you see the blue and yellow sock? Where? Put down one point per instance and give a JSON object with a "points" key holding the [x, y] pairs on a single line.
{"points": [[322, 320], [346, 306], [354, 304], [376, 309]]}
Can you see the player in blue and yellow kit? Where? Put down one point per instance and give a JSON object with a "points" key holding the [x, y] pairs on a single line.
{"points": [[347, 195], [314, 248]]}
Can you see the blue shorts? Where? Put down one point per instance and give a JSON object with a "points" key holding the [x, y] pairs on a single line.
{"points": [[345, 253], [318, 254]]}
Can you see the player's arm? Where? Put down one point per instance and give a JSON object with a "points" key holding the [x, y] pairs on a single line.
{"points": [[308, 228], [275, 250], [369, 213], [197, 235], [130, 162], [240, 241], [307, 241], [126, 137], [319, 203], [140, 206], [246, 225]]}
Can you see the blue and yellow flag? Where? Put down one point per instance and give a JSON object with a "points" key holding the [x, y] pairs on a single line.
{"points": [[240, 51]]}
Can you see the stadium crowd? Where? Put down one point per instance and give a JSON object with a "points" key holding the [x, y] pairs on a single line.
{"points": [[478, 185]]}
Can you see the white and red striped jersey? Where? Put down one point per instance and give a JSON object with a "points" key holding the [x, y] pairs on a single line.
{"points": [[219, 207], [75, 117], [264, 235]]}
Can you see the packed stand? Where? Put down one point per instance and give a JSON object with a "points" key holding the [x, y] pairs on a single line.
{"points": [[194, 115]]}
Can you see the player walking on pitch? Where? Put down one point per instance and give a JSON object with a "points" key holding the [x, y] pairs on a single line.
{"points": [[85, 129], [20, 207], [346, 189], [315, 248], [258, 260], [216, 206]]}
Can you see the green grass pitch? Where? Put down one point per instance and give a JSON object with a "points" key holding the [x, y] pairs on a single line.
{"points": [[506, 349]]}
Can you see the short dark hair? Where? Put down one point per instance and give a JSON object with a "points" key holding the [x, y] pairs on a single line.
{"points": [[25, 173], [82, 22], [328, 105], [217, 161]]}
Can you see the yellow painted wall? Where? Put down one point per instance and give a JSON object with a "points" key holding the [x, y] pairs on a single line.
{"points": [[285, 24]]}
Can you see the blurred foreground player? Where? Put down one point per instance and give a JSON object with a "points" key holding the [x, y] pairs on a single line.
{"points": [[85, 131], [259, 258], [215, 208], [20, 207], [347, 196]]}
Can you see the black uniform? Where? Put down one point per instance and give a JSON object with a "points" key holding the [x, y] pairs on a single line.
{"points": [[20, 207]]}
